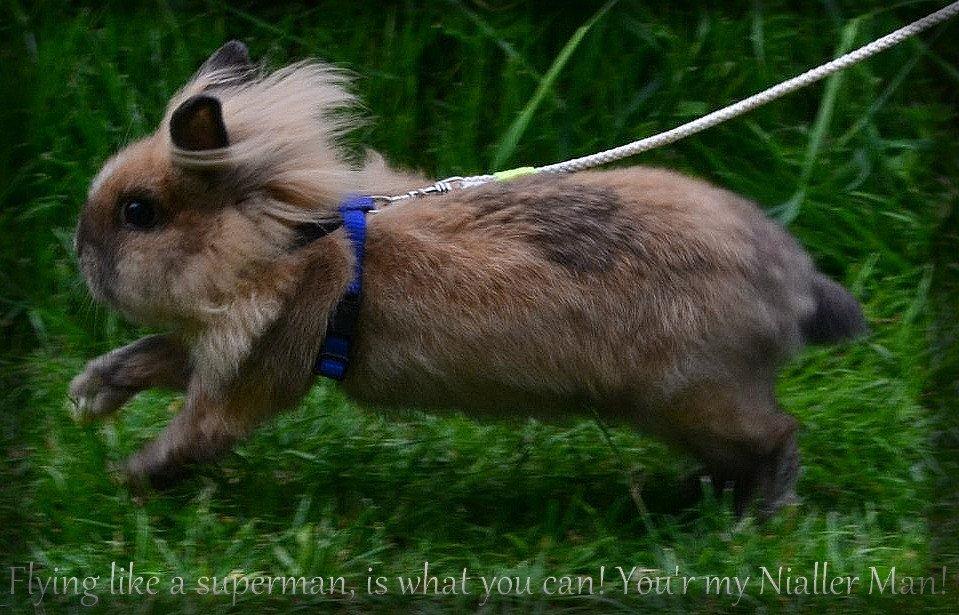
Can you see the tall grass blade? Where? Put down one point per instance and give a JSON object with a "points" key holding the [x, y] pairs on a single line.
{"points": [[515, 132], [790, 209]]}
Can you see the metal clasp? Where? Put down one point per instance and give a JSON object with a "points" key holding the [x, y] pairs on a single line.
{"points": [[440, 187]]}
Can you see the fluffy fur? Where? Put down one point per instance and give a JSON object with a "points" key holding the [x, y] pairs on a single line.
{"points": [[658, 300]]}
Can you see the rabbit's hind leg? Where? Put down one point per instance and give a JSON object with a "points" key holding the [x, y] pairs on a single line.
{"points": [[743, 438]]}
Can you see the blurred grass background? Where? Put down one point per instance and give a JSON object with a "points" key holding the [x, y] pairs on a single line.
{"points": [[863, 168]]}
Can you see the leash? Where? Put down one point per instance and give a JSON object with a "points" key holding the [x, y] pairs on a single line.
{"points": [[690, 128]]}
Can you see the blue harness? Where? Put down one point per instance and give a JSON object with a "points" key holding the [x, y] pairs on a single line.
{"points": [[335, 351]]}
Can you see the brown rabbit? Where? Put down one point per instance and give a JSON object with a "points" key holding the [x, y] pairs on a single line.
{"points": [[657, 300]]}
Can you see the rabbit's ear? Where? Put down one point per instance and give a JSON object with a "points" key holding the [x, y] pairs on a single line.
{"points": [[232, 55], [197, 124]]}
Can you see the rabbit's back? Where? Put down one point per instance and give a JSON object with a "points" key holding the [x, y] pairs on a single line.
{"points": [[547, 291]]}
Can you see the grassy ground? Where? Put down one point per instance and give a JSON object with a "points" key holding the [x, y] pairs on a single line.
{"points": [[862, 168]]}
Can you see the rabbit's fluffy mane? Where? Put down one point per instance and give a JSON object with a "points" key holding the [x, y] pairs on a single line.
{"points": [[285, 130]]}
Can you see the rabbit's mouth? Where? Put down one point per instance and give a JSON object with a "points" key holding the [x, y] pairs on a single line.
{"points": [[101, 281], [94, 276], [95, 259], [96, 282]]}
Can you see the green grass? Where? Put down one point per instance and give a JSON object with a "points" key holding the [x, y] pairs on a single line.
{"points": [[863, 167]]}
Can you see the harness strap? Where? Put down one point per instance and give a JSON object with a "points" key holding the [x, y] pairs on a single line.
{"points": [[335, 350]]}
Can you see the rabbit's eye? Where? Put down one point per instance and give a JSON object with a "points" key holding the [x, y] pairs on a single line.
{"points": [[139, 214]]}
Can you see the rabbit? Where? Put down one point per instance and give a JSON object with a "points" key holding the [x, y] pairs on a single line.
{"points": [[653, 299]]}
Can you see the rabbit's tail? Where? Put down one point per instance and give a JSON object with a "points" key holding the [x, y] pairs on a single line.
{"points": [[838, 316]]}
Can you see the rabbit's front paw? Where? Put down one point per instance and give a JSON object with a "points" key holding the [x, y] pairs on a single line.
{"points": [[93, 395]]}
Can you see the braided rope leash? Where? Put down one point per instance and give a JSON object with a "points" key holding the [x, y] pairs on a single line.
{"points": [[698, 125]]}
